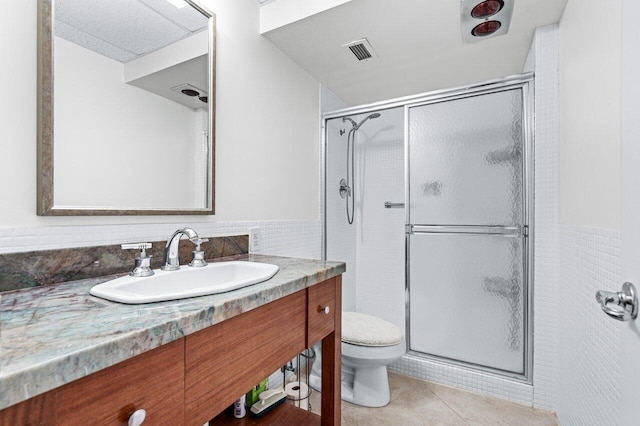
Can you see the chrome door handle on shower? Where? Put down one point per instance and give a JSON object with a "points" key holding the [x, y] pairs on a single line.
{"points": [[390, 205], [622, 305]]}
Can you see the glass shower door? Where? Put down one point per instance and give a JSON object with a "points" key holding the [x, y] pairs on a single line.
{"points": [[467, 299], [467, 230]]}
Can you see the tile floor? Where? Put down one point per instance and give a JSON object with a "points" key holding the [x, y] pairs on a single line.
{"points": [[416, 402]]}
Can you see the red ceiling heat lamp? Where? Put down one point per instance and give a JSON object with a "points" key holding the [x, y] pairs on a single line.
{"points": [[485, 18]]}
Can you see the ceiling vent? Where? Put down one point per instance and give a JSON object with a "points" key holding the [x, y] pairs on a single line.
{"points": [[361, 49], [191, 96]]}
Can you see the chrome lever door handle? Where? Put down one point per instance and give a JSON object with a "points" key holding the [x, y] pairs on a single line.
{"points": [[622, 305]]}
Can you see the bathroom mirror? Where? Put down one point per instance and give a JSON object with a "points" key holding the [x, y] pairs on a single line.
{"points": [[126, 107]]}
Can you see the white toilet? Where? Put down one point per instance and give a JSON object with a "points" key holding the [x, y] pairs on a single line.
{"points": [[369, 344]]}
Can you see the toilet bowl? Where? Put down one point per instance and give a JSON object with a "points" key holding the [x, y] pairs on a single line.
{"points": [[369, 344]]}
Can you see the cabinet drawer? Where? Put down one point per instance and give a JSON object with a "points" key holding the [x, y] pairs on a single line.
{"points": [[321, 321], [225, 360], [153, 381]]}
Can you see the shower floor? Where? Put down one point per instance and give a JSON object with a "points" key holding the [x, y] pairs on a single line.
{"points": [[417, 402]]}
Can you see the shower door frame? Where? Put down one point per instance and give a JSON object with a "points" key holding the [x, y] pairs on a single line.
{"points": [[525, 82]]}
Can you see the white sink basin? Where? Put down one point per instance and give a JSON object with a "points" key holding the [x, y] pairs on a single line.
{"points": [[187, 282]]}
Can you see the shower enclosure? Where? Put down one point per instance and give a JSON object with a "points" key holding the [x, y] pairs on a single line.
{"points": [[437, 232]]}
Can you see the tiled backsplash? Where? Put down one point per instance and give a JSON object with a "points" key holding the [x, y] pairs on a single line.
{"points": [[45, 267], [28, 255]]}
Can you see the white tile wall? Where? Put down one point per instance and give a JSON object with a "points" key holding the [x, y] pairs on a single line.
{"points": [[464, 378], [546, 240], [576, 349], [298, 238], [589, 342], [380, 241], [341, 237]]}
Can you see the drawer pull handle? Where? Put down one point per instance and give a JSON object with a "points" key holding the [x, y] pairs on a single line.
{"points": [[324, 310], [137, 418]]}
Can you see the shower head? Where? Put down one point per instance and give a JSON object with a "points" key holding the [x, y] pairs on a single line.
{"points": [[374, 115], [357, 126]]}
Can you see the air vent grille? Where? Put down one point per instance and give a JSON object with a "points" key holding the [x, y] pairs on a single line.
{"points": [[361, 49]]}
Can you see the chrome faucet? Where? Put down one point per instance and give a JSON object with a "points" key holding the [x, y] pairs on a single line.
{"points": [[170, 261]]}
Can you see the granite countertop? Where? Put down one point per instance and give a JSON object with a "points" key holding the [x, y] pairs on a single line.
{"points": [[50, 336]]}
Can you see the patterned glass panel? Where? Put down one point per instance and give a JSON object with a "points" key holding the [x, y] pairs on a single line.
{"points": [[467, 299], [466, 161]]}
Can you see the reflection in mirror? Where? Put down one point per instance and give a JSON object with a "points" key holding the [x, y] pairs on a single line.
{"points": [[126, 97]]}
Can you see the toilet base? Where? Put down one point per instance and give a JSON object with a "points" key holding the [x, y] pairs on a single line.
{"points": [[368, 387], [364, 380]]}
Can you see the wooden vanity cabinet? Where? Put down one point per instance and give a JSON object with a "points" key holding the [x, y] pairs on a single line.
{"points": [[193, 379], [221, 360], [153, 381]]}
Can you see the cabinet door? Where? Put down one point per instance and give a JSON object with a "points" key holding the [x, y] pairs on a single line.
{"points": [[153, 381], [225, 360]]}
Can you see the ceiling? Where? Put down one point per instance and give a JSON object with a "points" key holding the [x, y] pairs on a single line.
{"points": [[419, 43], [124, 30]]}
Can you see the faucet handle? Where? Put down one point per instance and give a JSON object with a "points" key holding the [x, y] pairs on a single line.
{"points": [[136, 246], [143, 262], [198, 254], [197, 241]]}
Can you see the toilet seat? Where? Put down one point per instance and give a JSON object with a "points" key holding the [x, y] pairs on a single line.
{"points": [[354, 355], [366, 330]]}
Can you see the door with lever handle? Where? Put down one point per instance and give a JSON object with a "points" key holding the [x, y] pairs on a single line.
{"points": [[622, 305]]}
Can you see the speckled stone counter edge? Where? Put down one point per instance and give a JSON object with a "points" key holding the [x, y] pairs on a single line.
{"points": [[27, 372]]}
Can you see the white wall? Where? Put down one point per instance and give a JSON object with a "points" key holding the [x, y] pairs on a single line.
{"points": [[267, 124], [590, 79], [267, 158], [144, 143], [588, 343]]}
